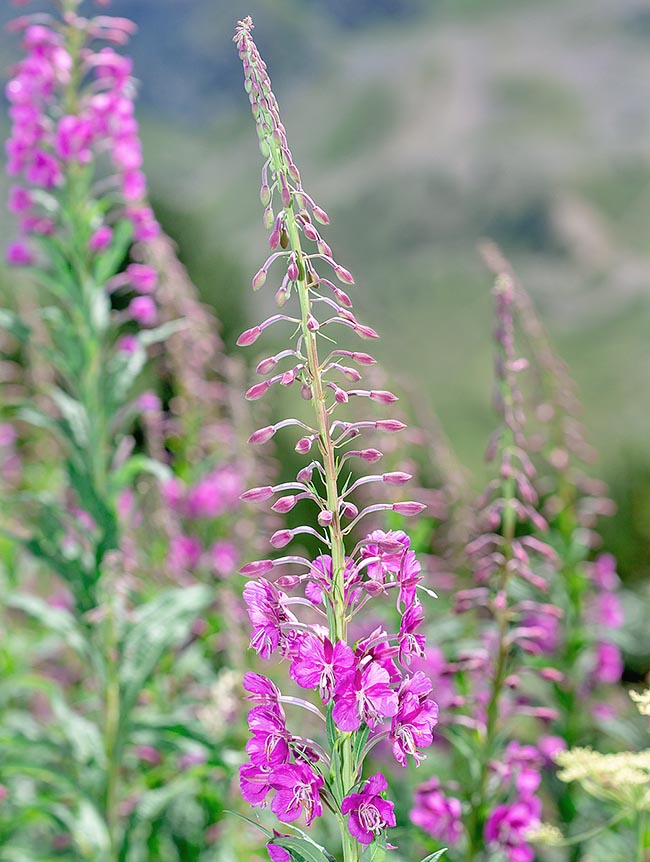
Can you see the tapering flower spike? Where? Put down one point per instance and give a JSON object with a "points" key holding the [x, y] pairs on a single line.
{"points": [[359, 686]]}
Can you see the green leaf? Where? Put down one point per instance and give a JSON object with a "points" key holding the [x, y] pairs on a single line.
{"points": [[332, 734], [74, 415], [136, 465], [14, 325], [435, 856], [360, 739], [302, 850], [159, 625], [108, 262], [57, 620], [375, 852], [254, 823], [147, 337]]}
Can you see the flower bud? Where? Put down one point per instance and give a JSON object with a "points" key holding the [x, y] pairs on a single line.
{"points": [[408, 509], [365, 331], [258, 390], [250, 336], [259, 567], [320, 215], [257, 495], [292, 269], [281, 538], [396, 478], [343, 275], [305, 475], [265, 195], [266, 365], [259, 279], [310, 231], [285, 504], [390, 426], [312, 324], [371, 455], [349, 510], [382, 396], [363, 359], [262, 434], [287, 582], [325, 518], [303, 445]]}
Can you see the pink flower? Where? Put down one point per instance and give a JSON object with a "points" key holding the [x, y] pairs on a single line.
{"points": [[225, 558], [184, 553], [20, 199], [413, 723], [19, 254], [261, 689], [508, 825], [270, 738], [143, 278], [321, 665], [609, 663], [606, 610], [297, 793], [143, 310], [410, 643], [369, 813], [437, 814], [73, 139], [101, 239], [603, 572], [254, 781], [366, 696], [267, 614]]}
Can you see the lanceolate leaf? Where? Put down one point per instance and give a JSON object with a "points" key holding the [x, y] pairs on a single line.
{"points": [[57, 620], [376, 852], [435, 856], [302, 850], [12, 324], [159, 625]]}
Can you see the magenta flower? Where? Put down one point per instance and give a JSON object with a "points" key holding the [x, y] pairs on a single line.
{"points": [[297, 793], [508, 825], [323, 666], [439, 815], [261, 689], [369, 812], [410, 643], [269, 743], [267, 614], [255, 782], [413, 723], [366, 696], [609, 663]]}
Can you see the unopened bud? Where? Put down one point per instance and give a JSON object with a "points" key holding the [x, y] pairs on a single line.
{"points": [[390, 426], [303, 445], [396, 478], [285, 504], [259, 567], [262, 434], [259, 279], [281, 538], [325, 518], [257, 391], [312, 324], [257, 495], [266, 365], [366, 331], [250, 336], [408, 509], [320, 215], [287, 582], [349, 510], [343, 275], [371, 455], [382, 396]]}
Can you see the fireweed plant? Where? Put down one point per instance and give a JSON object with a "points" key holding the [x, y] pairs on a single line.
{"points": [[80, 199], [581, 643], [365, 690], [488, 686]]}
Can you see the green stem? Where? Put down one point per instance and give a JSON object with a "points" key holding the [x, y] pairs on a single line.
{"points": [[640, 837], [112, 733], [338, 617]]}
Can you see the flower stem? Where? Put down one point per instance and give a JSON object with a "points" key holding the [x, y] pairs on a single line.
{"points": [[336, 611]]}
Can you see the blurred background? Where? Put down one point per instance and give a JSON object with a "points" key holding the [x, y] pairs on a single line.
{"points": [[423, 126]]}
